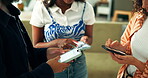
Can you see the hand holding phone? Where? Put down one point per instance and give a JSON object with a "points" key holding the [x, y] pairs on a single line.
{"points": [[113, 50]]}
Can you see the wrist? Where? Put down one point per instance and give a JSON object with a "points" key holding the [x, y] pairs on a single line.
{"points": [[56, 42], [49, 63], [140, 65]]}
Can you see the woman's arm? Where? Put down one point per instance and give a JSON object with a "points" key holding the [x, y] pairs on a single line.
{"points": [[38, 37], [142, 74], [88, 35]]}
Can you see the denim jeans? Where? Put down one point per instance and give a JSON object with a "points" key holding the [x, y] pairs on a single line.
{"points": [[77, 69]]}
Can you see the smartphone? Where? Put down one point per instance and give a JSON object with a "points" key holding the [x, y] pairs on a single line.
{"points": [[113, 50]]}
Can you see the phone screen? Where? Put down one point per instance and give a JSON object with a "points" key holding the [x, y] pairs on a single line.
{"points": [[113, 50]]}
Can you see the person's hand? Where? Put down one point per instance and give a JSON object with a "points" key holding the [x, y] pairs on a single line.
{"points": [[53, 52], [84, 39], [56, 66], [127, 59], [66, 43], [116, 45]]}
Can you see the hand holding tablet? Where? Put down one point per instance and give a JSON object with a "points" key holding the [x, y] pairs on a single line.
{"points": [[74, 53]]}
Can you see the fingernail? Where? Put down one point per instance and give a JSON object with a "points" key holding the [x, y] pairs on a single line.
{"points": [[116, 40], [63, 52]]}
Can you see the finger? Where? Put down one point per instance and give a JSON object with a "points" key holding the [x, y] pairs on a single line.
{"points": [[71, 41], [74, 42], [85, 39], [57, 58], [118, 56], [114, 57], [121, 57], [62, 50], [71, 61], [69, 46], [58, 51], [64, 65], [64, 68], [108, 42], [60, 45], [66, 50], [114, 44]]}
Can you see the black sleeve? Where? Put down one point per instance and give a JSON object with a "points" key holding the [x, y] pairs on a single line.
{"points": [[41, 71], [2, 67], [37, 57]]}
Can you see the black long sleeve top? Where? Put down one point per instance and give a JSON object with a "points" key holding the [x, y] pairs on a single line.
{"points": [[17, 52]]}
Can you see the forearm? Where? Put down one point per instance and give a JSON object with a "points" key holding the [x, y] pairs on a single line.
{"points": [[142, 73], [89, 34], [90, 40], [46, 44], [140, 65]]}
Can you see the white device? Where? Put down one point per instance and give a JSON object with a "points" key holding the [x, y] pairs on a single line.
{"points": [[74, 53], [70, 55]]}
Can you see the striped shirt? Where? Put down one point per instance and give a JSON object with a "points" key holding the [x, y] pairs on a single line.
{"points": [[134, 25]]}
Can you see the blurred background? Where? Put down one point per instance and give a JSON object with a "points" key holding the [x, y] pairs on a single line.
{"points": [[112, 16]]}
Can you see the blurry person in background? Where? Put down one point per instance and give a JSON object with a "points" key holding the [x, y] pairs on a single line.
{"points": [[62, 22], [134, 42], [17, 54]]}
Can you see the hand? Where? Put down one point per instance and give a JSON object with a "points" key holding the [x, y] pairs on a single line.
{"points": [[53, 52], [84, 39], [116, 45], [56, 66], [66, 43], [128, 59]]}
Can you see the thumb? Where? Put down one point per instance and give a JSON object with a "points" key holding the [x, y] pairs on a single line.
{"points": [[84, 39]]}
